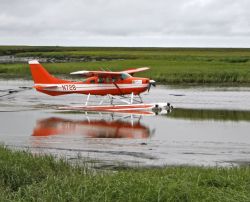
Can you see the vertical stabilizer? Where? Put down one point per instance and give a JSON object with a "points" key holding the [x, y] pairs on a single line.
{"points": [[40, 74]]}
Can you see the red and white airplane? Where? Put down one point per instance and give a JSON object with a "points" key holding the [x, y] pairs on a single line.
{"points": [[96, 83]]}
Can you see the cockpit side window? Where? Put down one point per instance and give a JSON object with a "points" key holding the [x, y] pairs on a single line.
{"points": [[100, 80], [108, 80], [114, 79]]}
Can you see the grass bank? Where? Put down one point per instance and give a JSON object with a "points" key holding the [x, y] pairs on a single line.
{"points": [[168, 65], [24, 177], [210, 114]]}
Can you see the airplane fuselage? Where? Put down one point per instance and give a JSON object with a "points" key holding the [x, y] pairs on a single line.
{"points": [[94, 86]]}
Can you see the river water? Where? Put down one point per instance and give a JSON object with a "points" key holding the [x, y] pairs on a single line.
{"points": [[209, 126]]}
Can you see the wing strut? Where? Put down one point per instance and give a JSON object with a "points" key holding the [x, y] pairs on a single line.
{"points": [[118, 88]]}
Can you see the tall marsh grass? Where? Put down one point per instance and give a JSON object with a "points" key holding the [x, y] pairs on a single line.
{"points": [[27, 177]]}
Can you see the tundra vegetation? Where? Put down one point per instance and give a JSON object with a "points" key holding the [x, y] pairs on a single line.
{"points": [[168, 65]]}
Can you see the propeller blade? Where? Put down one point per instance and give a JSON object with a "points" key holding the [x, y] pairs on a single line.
{"points": [[149, 86], [151, 82]]}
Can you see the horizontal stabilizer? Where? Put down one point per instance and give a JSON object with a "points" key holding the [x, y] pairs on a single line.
{"points": [[44, 86]]}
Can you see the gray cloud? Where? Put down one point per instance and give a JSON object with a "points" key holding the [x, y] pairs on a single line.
{"points": [[126, 22]]}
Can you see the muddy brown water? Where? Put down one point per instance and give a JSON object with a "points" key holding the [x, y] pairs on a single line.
{"points": [[209, 126]]}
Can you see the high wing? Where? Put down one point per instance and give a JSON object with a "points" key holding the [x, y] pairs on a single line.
{"points": [[96, 73], [108, 73], [135, 70]]}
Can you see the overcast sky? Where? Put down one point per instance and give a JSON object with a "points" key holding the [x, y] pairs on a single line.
{"points": [[164, 23]]}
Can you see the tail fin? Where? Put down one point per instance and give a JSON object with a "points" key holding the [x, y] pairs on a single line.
{"points": [[40, 74]]}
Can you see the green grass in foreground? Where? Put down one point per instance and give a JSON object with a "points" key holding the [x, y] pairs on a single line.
{"points": [[168, 65], [24, 177]]}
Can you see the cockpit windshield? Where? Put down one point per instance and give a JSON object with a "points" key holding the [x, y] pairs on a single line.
{"points": [[125, 76]]}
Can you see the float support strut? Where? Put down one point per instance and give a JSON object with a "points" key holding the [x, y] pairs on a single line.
{"points": [[86, 103]]}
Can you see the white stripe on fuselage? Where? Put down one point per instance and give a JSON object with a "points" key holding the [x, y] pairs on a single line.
{"points": [[68, 87]]}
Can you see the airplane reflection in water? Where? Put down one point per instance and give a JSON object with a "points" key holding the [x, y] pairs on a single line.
{"points": [[94, 127]]}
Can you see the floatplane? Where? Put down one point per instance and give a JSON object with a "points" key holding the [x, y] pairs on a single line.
{"points": [[120, 85]]}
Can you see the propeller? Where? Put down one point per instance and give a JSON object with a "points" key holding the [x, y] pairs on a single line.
{"points": [[151, 83]]}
